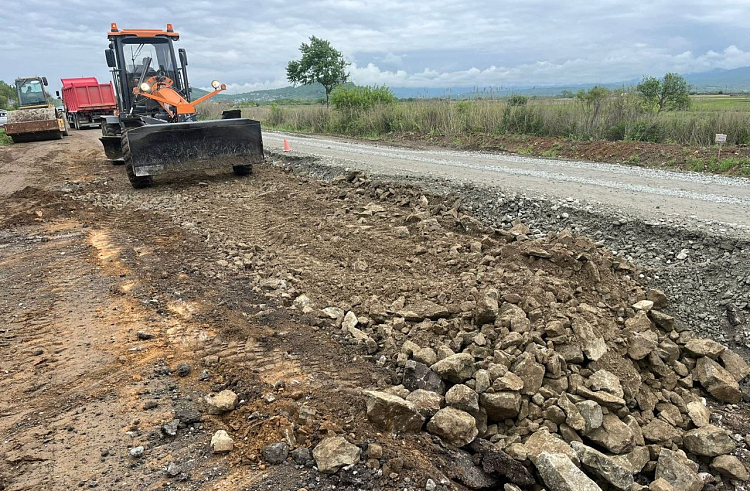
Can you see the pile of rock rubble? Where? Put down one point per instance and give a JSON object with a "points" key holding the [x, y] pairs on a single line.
{"points": [[541, 384]]}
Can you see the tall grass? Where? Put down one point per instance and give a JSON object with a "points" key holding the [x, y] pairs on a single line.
{"points": [[617, 117], [4, 139]]}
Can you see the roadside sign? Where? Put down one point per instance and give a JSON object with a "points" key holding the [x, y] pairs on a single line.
{"points": [[720, 139]]}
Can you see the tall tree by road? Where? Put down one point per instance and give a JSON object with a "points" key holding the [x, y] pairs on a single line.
{"points": [[320, 63], [670, 93]]}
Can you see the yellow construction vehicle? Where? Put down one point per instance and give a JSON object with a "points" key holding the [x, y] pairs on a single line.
{"points": [[36, 119]]}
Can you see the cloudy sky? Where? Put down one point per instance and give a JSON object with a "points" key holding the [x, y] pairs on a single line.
{"points": [[404, 43]]}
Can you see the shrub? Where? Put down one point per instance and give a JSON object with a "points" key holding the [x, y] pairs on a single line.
{"points": [[517, 100], [276, 118], [348, 97], [4, 139]]}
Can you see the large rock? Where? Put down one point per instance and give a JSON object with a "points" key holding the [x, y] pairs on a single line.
{"points": [[641, 344], [592, 343], [698, 414], [426, 356], [454, 426], [659, 431], [221, 403], [643, 305], [427, 402], [531, 372], [392, 413], [456, 368], [573, 417], [419, 376], [709, 441], [497, 462], [459, 466], [509, 381], [481, 381], [276, 453], [717, 381], [560, 474], [660, 485], [514, 318], [221, 442], [486, 310], [424, 310], [613, 434], [704, 347], [543, 441], [635, 460], [604, 466], [658, 297], [730, 466], [601, 397], [605, 381], [333, 453], [501, 405], [735, 364], [592, 414], [350, 321], [333, 313], [462, 397], [678, 471]]}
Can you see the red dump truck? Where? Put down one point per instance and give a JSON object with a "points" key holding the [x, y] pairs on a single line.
{"points": [[86, 101]]}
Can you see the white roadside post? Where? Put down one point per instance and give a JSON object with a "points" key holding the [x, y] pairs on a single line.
{"points": [[720, 139]]}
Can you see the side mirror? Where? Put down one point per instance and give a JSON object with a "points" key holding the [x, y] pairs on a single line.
{"points": [[57, 93], [44, 81], [110, 55], [183, 56]]}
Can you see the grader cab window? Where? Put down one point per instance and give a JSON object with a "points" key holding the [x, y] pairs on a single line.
{"points": [[143, 61], [31, 92]]}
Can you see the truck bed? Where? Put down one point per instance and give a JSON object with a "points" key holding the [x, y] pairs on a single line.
{"points": [[87, 94]]}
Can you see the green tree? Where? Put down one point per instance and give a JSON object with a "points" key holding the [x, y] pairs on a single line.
{"points": [[594, 96], [7, 95], [320, 63], [667, 94]]}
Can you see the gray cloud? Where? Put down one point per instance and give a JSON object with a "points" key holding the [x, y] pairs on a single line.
{"points": [[411, 43]]}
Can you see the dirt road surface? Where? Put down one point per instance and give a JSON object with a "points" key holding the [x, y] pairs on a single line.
{"points": [[122, 309], [647, 193]]}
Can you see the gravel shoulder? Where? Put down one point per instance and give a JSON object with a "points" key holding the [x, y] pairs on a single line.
{"points": [[647, 193], [688, 232]]}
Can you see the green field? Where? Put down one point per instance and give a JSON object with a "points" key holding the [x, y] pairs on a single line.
{"points": [[720, 103]]}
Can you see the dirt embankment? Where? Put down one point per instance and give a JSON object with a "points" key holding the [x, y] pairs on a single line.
{"points": [[123, 309]]}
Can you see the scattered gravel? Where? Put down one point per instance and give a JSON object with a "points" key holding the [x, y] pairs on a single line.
{"points": [[703, 266]]}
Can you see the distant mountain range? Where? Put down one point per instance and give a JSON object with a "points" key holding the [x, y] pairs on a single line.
{"points": [[727, 81], [302, 93]]}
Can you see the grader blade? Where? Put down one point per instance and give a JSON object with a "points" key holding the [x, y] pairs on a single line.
{"points": [[158, 148]]}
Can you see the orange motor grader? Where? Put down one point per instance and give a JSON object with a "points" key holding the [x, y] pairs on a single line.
{"points": [[156, 129]]}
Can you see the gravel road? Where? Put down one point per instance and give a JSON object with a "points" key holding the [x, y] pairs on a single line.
{"points": [[687, 231], [648, 193]]}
